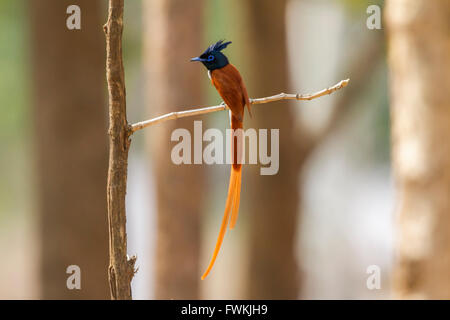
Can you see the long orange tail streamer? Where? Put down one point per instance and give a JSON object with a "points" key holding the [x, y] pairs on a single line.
{"points": [[233, 199], [231, 204], [237, 198]]}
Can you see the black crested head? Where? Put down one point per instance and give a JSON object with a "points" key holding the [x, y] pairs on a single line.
{"points": [[213, 58]]}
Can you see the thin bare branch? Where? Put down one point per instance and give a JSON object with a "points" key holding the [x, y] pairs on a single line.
{"points": [[194, 112]]}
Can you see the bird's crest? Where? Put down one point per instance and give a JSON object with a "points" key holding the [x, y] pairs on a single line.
{"points": [[218, 46]]}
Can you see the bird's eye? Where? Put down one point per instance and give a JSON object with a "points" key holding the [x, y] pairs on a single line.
{"points": [[210, 58]]}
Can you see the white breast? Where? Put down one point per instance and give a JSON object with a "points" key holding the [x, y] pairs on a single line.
{"points": [[209, 74]]}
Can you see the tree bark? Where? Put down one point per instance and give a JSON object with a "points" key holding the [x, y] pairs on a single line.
{"points": [[419, 60], [71, 147], [173, 34], [121, 268], [273, 200]]}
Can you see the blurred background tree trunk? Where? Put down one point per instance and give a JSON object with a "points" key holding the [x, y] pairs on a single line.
{"points": [[173, 34], [273, 201], [419, 60], [71, 146]]}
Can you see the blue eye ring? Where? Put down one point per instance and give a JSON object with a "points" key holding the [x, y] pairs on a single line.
{"points": [[210, 58]]}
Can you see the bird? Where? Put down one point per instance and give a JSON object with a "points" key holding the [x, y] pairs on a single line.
{"points": [[228, 82]]}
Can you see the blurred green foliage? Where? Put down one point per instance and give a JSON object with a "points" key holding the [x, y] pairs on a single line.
{"points": [[132, 34], [356, 6], [14, 85], [14, 107]]}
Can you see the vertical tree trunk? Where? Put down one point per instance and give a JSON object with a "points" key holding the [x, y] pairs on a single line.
{"points": [[121, 267], [273, 200], [419, 59], [173, 34], [71, 147]]}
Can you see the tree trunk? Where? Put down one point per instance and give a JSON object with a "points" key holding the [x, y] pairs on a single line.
{"points": [[71, 147], [273, 200], [419, 59], [121, 268], [173, 34]]}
